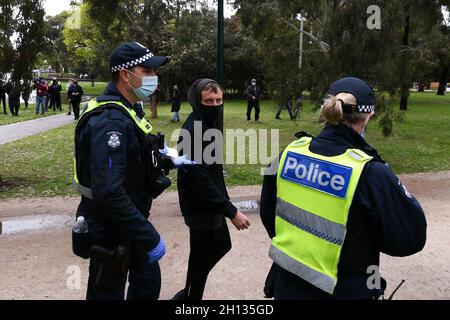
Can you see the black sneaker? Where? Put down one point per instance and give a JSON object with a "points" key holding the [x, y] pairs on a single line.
{"points": [[180, 295]]}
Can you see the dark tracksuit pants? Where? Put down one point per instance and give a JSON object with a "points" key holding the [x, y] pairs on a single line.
{"points": [[76, 108], [55, 102], [207, 248], [14, 105], [288, 106], [250, 105], [144, 279]]}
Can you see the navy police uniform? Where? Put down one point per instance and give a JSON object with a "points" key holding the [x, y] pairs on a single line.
{"points": [[114, 162], [384, 217]]}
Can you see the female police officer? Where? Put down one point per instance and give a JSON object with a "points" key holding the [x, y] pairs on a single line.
{"points": [[333, 205]]}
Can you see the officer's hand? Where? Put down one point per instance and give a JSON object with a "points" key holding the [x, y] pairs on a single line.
{"points": [[240, 221], [157, 253], [179, 162]]}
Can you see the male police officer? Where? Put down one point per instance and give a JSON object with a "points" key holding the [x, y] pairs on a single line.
{"points": [[117, 171]]}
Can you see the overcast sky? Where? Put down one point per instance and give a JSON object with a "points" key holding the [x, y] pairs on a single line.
{"points": [[53, 7]]}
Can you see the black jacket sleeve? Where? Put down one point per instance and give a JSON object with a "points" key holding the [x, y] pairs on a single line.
{"points": [[249, 92], [269, 198], [398, 219], [108, 167], [204, 188]]}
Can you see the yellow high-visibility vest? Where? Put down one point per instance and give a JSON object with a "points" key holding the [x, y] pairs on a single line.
{"points": [[314, 195], [92, 105]]}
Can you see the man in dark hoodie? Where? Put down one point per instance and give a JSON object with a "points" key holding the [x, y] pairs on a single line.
{"points": [[204, 200]]}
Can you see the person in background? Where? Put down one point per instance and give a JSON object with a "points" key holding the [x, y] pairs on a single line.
{"points": [[253, 93], [13, 91], [55, 95], [41, 92], [68, 86], [75, 95], [176, 104], [26, 92], [47, 95], [3, 95]]}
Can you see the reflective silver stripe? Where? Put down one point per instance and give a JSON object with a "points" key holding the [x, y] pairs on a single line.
{"points": [[87, 192], [317, 279], [311, 223]]}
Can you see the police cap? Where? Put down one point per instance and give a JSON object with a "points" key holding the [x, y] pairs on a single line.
{"points": [[131, 54], [361, 90]]}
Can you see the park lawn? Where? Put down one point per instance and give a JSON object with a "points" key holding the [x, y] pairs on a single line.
{"points": [[88, 89], [27, 114], [42, 165]]}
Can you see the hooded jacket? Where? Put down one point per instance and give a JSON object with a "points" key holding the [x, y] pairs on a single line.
{"points": [[201, 188]]}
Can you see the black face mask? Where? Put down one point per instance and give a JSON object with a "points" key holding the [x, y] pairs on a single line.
{"points": [[211, 114]]}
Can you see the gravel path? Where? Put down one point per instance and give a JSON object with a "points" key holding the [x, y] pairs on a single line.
{"points": [[37, 264]]}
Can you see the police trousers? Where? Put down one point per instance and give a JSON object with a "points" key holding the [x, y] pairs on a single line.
{"points": [[144, 279]]}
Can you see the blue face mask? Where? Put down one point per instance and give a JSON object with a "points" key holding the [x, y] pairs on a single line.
{"points": [[148, 87]]}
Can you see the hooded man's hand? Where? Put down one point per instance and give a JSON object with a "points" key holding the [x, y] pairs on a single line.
{"points": [[240, 221]]}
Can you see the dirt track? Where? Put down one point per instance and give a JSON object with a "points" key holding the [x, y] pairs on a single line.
{"points": [[34, 265]]}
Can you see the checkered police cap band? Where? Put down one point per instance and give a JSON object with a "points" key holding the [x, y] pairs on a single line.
{"points": [[130, 64], [366, 108], [350, 108]]}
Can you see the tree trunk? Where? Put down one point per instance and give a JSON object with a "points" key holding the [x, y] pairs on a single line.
{"points": [[404, 83], [442, 81]]}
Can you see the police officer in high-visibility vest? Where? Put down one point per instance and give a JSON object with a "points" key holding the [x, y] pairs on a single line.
{"points": [[331, 204], [119, 168]]}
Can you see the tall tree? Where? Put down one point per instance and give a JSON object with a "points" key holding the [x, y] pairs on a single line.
{"points": [[7, 26], [54, 50], [29, 30]]}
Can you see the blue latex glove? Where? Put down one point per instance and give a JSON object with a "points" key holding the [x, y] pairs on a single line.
{"points": [[157, 253]]}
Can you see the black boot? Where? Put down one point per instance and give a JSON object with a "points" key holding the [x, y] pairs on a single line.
{"points": [[180, 295]]}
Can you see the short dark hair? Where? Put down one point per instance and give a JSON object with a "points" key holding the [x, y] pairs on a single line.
{"points": [[115, 77], [212, 86]]}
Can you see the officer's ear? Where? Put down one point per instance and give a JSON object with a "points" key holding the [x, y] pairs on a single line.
{"points": [[124, 75]]}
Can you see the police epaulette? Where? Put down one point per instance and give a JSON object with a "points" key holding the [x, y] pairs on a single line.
{"points": [[302, 134]]}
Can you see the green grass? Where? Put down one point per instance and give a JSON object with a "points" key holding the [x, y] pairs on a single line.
{"points": [[26, 114], [87, 88], [42, 165]]}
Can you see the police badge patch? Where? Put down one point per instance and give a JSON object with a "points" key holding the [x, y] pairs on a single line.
{"points": [[114, 139]]}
